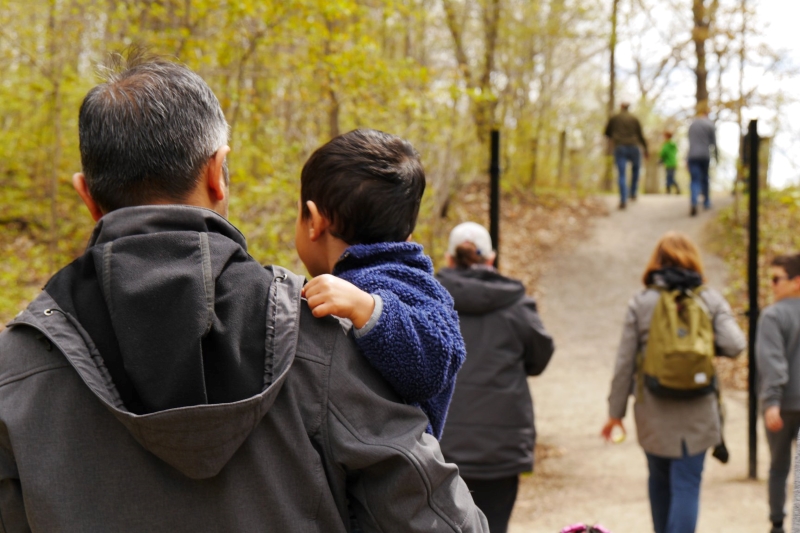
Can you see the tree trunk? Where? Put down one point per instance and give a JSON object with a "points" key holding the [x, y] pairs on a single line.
{"points": [[651, 172], [608, 177], [562, 152], [483, 109], [535, 159], [55, 76], [333, 114], [703, 17], [740, 171]]}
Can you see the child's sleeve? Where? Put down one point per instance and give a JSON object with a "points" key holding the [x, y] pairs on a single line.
{"points": [[417, 348]]}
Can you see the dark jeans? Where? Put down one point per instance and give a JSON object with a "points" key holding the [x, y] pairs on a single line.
{"points": [[780, 449], [623, 154], [675, 491], [698, 169], [495, 497], [671, 181]]}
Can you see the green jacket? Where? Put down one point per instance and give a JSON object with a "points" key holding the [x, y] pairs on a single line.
{"points": [[669, 154]]}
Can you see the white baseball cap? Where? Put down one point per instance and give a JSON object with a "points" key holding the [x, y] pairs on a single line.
{"points": [[470, 232]]}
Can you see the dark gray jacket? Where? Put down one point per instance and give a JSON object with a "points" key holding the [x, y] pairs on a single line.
{"points": [[489, 431], [778, 355], [325, 434], [624, 129]]}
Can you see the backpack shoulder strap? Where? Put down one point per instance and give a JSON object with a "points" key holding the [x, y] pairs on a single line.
{"points": [[697, 295]]}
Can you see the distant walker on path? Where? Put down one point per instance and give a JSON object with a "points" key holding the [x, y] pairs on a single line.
{"points": [[702, 141], [625, 132], [669, 158]]}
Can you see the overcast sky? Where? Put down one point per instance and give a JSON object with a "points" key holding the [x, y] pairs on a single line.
{"points": [[780, 30], [783, 33]]}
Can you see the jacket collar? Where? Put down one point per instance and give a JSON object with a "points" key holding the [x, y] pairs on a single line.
{"points": [[145, 219]]}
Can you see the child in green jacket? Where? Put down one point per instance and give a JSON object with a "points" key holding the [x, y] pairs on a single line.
{"points": [[669, 156]]}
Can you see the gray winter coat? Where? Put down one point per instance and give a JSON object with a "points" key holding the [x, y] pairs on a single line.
{"points": [[325, 436], [778, 355], [663, 424], [489, 431], [702, 139]]}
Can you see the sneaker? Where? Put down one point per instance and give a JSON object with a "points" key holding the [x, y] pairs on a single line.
{"points": [[633, 197], [622, 205], [693, 211]]}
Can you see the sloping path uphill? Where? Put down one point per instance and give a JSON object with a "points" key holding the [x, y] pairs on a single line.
{"points": [[583, 295]]}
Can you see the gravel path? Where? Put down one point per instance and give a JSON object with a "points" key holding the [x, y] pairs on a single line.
{"points": [[582, 296]]}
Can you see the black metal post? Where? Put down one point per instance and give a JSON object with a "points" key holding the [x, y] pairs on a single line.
{"points": [[752, 275], [494, 201]]}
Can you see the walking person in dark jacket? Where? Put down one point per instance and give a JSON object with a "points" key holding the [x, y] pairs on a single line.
{"points": [[490, 432], [625, 131], [165, 381]]}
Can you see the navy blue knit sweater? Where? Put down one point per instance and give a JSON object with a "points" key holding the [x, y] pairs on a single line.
{"points": [[416, 344]]}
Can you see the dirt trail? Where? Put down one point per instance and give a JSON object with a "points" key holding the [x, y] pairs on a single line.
{"points": [[582, 296]]}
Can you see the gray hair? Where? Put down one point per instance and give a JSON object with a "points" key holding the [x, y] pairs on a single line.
{"points": [[148, 132]]}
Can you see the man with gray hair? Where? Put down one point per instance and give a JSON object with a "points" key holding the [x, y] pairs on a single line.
{"points": [[625, 132], [165, 381]]}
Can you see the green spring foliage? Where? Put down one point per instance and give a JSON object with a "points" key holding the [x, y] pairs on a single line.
{"points": [[290, 74]]}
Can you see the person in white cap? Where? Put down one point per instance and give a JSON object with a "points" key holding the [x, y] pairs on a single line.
{"points": [[489, 431]]}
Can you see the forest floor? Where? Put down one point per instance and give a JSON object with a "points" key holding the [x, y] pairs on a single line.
{"points": [[583, 289]]}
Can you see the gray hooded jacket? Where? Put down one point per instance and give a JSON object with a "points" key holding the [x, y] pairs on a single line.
{"points": [[323, 437], [664, 425], [778, 355], [489, 431]]}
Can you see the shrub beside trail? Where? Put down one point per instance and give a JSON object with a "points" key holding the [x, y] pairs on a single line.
{"points": [[727, 236]]}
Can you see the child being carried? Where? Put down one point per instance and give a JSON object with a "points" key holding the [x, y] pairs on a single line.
{"points": [[360, 197]]}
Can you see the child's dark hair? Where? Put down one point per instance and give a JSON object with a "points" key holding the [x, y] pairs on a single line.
{"points": [[467, 255], [368, 183], [790, 263]]}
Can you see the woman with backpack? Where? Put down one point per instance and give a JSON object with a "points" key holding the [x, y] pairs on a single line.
{"points": [[489, 431], [673, 330]]}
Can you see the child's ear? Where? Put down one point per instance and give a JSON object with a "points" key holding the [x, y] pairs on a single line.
{"points": [[317, 223]]}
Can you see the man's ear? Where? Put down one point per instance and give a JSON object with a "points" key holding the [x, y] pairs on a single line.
{"points": [[795, 283], [81, 187], [317, 223], [215, 176]]}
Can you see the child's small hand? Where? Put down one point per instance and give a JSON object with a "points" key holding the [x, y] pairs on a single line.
{"points": [[329, 295]]}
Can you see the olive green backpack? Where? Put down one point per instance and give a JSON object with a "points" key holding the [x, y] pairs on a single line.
{"points": [[679, 359]]}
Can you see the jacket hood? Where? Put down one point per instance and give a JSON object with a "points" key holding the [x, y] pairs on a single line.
{"points": [[202, 334], [479, 291], [675, 278]]}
